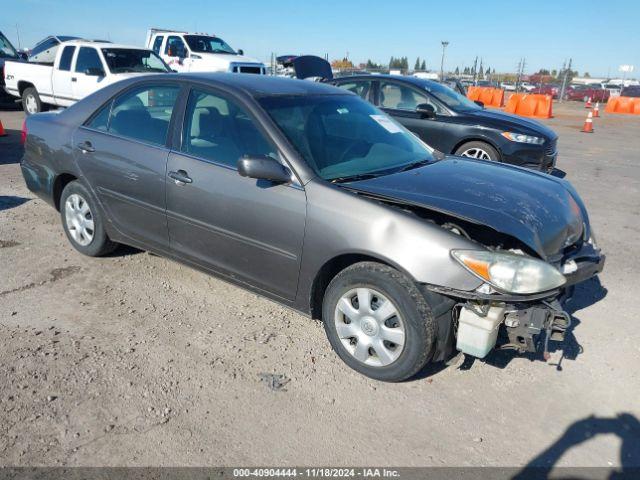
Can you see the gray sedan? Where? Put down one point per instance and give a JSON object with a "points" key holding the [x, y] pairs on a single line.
{"points": [[306, 194]]}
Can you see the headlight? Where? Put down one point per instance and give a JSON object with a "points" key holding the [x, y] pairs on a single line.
{"points": [[510, 272], [521, 138]]}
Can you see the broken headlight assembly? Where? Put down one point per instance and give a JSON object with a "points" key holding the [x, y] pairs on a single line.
{"points": [[510, 273], [522, 138]]}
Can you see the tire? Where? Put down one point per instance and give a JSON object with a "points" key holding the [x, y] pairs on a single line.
{"points": [[413, 319], [87, 236], [31, 102], [483, 150]]}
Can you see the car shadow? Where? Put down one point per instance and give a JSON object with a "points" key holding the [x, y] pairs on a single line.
{"points": [[625, 426], [585, 294], [11, 147], [10, 201]]}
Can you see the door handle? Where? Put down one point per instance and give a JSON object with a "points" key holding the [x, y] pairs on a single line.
{"points": [[180, 177], [74, 79], [86, 147]]}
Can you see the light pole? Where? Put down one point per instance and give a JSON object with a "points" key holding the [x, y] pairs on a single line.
{"points": [[444, 45]]}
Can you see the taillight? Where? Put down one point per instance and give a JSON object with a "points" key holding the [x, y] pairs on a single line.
{"points": [[23, 133]]}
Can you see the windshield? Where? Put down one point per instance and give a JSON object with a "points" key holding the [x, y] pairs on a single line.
{"points": [[6, 49], [206, 44], [123, 60], [343, 137], [450, 98]]}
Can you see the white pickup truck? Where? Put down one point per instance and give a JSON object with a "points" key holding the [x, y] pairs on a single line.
{"points": [[197, 52], [79, 69]]}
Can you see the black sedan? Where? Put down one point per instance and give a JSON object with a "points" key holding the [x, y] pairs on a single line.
{"points": [[453, 124]]}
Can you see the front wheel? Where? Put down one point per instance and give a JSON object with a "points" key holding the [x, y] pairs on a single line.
{"points": [[479, 150], [378, 322]]}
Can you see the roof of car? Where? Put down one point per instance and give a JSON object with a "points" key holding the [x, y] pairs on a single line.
{"points": [[263, 85], [420, 82], [101, 44]]}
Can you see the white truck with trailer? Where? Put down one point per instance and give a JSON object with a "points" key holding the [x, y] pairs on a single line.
{"points": [[200, 52], [80, 68]]}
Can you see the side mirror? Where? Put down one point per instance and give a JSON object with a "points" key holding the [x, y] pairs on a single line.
{"points": [[94, 72], [479, 103], [263, 168], [426, 110], [23, 56], [240, 51]]}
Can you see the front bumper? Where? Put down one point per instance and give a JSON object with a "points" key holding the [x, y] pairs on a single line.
{"points": [[536, 157], [529, 321]]}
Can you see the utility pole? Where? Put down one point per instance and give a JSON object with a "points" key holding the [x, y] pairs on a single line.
{"points": [[564, 81], [18, 35], [444, 46], [475, 69]]}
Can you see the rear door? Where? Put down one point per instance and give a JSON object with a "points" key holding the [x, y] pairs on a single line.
{"points": [[400, 101], [62, 74], [250, 230], [87, 59], [122, 151]]}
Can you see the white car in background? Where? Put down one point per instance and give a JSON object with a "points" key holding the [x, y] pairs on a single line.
{"points": [[46, 49], [199, 52], [79, 68]]}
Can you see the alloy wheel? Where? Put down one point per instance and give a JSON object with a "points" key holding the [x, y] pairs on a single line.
{"points": [[79, 219], [369, 327], [476, 153]]}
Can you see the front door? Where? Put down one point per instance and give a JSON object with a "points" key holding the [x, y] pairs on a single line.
{"points": [[400, 101], [122, 152], [84, 84], [251, 230]]}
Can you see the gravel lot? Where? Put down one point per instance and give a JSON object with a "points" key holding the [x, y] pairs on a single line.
{"points": [[137, 360]]}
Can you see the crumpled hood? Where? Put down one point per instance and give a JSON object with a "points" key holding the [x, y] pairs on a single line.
{"points": [[537, 209]]}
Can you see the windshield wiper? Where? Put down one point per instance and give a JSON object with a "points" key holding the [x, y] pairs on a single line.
{"points": [[413, 165], [355, 178]]}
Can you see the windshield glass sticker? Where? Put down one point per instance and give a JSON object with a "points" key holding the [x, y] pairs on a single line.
{"points": [[386, 123]]}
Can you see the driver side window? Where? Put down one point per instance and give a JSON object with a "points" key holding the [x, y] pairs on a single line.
{"points": [[175, 47], [401, 97]]}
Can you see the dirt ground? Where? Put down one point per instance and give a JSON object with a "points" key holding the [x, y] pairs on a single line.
{"points": [[137, 360]]}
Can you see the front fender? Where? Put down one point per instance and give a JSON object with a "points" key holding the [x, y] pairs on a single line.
{"points": [[341, 222]]}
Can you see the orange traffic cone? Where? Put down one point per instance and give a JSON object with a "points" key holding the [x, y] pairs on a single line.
{"points": [[596, 110], [588, 124], [2, 132], [588, 104]]}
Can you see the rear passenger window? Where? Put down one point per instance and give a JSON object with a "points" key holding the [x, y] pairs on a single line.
{"points": [[219, 130], [144, 114], [65, 58], [100, 121], [361, 87]]}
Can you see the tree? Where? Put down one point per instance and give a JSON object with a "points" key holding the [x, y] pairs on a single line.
{"points": [[466, 70], [554, 73], [424, 65], [586, 75], [417, 65], [543, 71], [457, 71], [345, 63]]}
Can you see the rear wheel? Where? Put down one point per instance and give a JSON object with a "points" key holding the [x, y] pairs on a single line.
{"points": [[378, 322], [479, 150], [31, 102], [82, 221]]}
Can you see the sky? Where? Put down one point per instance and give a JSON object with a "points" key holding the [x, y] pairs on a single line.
{"points": [[598, 35]]}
